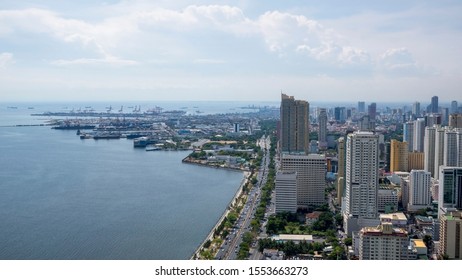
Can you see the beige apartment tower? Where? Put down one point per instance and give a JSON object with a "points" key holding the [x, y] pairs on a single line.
{"points": [[399, 156], [295, 125]]}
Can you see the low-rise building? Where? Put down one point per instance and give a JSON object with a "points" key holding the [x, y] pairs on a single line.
{"points": [[383, 242]]}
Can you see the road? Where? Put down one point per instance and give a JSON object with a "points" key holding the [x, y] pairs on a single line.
{"points": [[230, 248]]}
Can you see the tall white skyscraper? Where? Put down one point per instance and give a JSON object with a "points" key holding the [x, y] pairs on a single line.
{"points": [[419, 134], [429, 149], [439, 151], [361, 179], [311, 177], [419, 190]]}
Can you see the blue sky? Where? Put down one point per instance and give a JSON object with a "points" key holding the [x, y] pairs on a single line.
{"points": [[230, 50]]}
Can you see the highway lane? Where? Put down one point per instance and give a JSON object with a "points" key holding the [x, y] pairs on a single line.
{"points": [[230, 247]]}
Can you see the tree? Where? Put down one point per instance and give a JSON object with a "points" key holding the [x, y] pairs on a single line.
{"points": [[428, 240], [348, 241]]}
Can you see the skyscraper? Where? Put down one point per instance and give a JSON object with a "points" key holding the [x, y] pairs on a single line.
{"points": [[429, 149], [341, 169], [454, 107], [361, 178], [455, 121], [372, 110], [399, 156], [434, 104], [311, 177], [450, 157], [419, 134], [408, 135], [416, 109], [361, 107], [419, 190], [450, 189], [294, 125], [439, 151], [322, 137]]}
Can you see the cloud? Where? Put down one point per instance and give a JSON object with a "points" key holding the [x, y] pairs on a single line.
{"points": [[284, 34], [95, 61], [6, 59], [399, 61], [208, 61]]}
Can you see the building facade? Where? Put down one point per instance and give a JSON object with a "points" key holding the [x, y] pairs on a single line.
{"points": [[419, 190], [295, 123], [286, 191], [398, 156], [450, 189], [383, 243], [450, 235], [322, 137], [361, 178], [311, 177]]}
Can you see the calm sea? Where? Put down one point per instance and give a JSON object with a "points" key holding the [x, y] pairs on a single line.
{"points": [[66, 198]]}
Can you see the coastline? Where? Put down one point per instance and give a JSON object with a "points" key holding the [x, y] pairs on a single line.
{"points": [[244, 181]]}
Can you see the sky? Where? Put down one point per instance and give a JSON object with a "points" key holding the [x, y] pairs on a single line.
{"points": [[382, 51]]}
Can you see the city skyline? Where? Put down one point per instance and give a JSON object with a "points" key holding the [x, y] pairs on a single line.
{"points": [[230, 50]]}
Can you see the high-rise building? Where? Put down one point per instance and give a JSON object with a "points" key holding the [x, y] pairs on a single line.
{"points": [[341, 169], [419, 190], [361, 179], [399, 156], [429, 149], [434, 104], [416, 109], [454, 107], [372, 112], [311, 177], [365, 123], [433, 119], [450, 157], [416, 161], [408, 135], [286, 192], [361, 107], [294, 125], [339, 114], [450, 235], [455, 121], [439, 151], [384, 242], [450, 189], [322, 137], [419, 134]]}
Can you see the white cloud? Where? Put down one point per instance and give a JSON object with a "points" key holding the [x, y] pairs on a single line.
{"points": [[95, 61], [283, 33], [399, 61], [6, 59], [208, 61]]}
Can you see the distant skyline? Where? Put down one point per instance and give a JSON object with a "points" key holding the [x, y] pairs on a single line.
{"points": [[319, 51]]}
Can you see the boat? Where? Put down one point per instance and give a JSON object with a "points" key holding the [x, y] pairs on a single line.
{"points": [[152, 148], [142, 142], [105, 135]]}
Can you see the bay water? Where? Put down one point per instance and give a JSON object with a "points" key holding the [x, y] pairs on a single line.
{"points": [[66, 198]]}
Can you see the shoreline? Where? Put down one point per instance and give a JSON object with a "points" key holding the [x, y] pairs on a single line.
{"points": [[209, 236]]}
